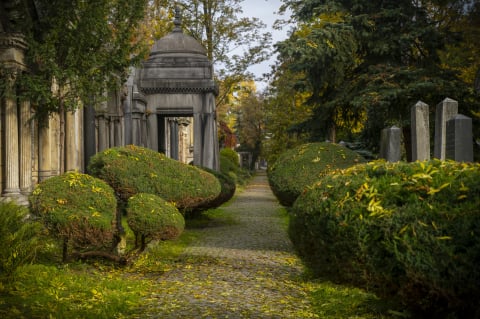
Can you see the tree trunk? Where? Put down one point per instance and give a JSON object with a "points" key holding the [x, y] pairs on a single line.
{"points": [[332, 133], [207, 18], [65, 250]]}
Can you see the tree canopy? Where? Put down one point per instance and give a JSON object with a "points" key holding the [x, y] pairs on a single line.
{"points": [[367, 62], [77, 48]]}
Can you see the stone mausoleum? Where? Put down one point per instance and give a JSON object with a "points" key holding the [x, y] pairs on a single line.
{"points": [[168, 104]]}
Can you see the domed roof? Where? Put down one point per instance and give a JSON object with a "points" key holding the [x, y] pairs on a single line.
{"points": [[177, 42], [177, 64]]}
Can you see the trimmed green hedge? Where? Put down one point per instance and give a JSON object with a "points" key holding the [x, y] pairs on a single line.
{"points": [[131, 170], [77, 208], [407, 230], [300, 167], [150, 217], [227, 191]]}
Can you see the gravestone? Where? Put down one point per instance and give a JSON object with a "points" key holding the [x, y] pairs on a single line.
{"points": [[390, 144], [420, 132], [459, 144], [446, 109]]}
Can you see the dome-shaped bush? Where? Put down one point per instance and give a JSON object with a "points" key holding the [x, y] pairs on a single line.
{"points": [[231, 155], [131, 170], [150, 217], [298, 168], [77, 208]]}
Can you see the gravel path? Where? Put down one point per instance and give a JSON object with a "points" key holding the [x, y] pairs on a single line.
{"points": [[245, 268]]}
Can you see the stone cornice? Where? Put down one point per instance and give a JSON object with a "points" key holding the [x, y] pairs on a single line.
{"points": [[176, 90], [176, 87]]}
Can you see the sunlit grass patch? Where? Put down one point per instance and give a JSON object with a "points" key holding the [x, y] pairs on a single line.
{"points": [[50, 292], [332, 301]]}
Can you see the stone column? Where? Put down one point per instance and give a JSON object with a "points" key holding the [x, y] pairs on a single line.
{"points": [[89, 140], [420, 132], [44, 156], [173, 138], [446, 109], [12, 170], [206, 147], [102, 133], [117, 131], [70, 142], [26, 146]]}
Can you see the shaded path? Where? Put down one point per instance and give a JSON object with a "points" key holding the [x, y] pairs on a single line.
{"points": [[244, 268]]}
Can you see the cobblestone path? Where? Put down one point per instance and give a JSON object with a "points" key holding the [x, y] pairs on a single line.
{"points": [[245, 268]]}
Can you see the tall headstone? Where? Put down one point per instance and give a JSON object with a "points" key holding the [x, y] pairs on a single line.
{"points": [[390, 144], [446, 109], [420, 132], [459, 144]]}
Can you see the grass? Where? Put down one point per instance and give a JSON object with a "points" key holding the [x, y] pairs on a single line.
{"points": [[332, 301], [93, 289]]}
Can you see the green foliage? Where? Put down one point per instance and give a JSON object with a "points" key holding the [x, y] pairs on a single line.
{"points": [[150, 217], [132, 169], [77, 49], [77, 208], [228, 187], [285, 109], [53, 292], [232, 169], [366, 62], [304, 165], [19, 238], [230, 154], [406, 230]]}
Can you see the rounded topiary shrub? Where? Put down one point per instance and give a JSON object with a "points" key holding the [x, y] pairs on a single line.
{"points": [[150, 217], [299, 167], [231, 155], [78, 208], [407, 230], [131, 170]]}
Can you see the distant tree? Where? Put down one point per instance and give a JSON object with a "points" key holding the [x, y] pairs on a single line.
{"points": [[285, 110], [250, 124], [368, 62]]}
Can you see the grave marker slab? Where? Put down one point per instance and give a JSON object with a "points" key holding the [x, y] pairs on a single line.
{"points": [[446, 109], [390, 144], [459, 144], [420, 132]]}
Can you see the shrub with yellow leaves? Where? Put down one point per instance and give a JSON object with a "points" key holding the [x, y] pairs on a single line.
{"points": [[406, 230], [78, 209]]}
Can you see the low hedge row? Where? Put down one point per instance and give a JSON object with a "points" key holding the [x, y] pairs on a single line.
{"points": [[407, 230], [299, 167]]}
